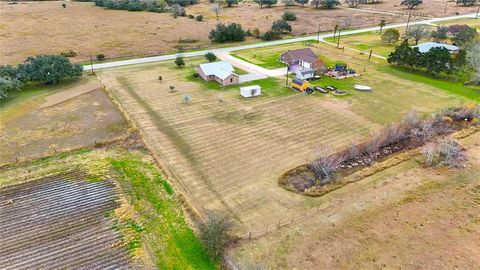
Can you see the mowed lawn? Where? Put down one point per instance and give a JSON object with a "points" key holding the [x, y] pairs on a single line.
{"points": [[226, 152]]}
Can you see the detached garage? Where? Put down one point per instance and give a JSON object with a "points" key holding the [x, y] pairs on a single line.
{"points": [[250, 91]]}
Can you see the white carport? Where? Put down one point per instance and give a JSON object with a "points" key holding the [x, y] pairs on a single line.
{"points": [[251, 91]]}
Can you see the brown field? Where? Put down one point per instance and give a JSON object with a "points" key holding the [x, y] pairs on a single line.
{"points": [[58, 222], [406, 217], [31, 28], [29, 129], [228, 155]]}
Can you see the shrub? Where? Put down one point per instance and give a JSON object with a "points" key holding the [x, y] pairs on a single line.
{"points": [[281, 26], [301, 182], [172, 88], [211, 57], [100, 57], [199, 18], [177, 10], [187, 99], [69, 53], [7, 85], [270, 35], [446, 152], [179, 61], [289, 16], [390, 36], [215, 234]]}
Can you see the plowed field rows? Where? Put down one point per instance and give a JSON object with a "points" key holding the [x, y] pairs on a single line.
{"points": [[58, 222]]}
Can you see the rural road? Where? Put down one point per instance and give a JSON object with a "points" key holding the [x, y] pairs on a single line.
{"points": [[264, 44]]}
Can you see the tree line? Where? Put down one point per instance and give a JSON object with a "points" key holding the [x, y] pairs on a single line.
{"points": [[45, 69]]}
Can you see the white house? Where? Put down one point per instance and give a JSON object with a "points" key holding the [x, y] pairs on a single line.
{"points": [[222, 72], [427, 46], [251, 91]]}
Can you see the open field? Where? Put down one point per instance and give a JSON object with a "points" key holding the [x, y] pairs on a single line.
{"points": [[405, 217], [111, 202], [228, 155], [34, 124], [58, 222], [471, 22], [31, 28]]}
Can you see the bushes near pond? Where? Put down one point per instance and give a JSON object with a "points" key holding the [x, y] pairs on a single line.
{"points": [[414, 131]]}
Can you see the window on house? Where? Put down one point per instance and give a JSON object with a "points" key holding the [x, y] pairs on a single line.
{"points": [[231, 79]]}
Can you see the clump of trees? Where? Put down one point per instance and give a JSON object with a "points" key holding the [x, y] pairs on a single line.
{"points": [[215, 233], [179, 62], [278, 28], [45, 69], [133, 5], [418, 32], [225, 33], [435, 61]]}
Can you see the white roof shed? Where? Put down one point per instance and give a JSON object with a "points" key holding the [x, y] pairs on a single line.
{"points": [[251, 91], [427, 46]]}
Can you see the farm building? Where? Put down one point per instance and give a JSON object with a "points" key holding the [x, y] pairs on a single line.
{"points": [[305, 74], [300, 85], [222, 72], [251, 91], [427, 46], [305, 58]]}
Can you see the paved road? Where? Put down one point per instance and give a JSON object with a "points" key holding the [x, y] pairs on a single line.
{"points": [[264, 44]]}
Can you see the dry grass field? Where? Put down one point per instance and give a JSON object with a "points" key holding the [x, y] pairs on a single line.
{"points": [[29, 129], [406, 217], [432, 8], [228, 155], [31, 28]]}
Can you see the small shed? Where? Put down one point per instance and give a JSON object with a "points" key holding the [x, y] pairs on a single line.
{"points": [[300, 85], [305, 74], [250, 91]]}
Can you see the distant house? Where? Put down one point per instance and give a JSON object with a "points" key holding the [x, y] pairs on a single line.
{"points": [[222, 72], [454, 29], [427, 46], [305, 74], [305, 58]]}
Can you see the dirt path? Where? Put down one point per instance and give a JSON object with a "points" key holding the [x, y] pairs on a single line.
{"points": [[70, 93]]}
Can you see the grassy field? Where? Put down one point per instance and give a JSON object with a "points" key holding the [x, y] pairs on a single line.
{"points": [[29, 131], [471, 22], [227, 153], [406, 217], [165, 238]]}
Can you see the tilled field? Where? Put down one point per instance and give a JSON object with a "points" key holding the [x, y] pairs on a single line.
{"points": [[59, 222]]}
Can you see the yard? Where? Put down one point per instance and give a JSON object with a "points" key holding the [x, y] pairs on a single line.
{"points": [[226, 153]]}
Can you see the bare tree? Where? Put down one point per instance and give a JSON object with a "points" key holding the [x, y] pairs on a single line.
{"points": [[473, 60], [417, 32], [352, 3], [215, 233], [216, 8], [187, 98]]}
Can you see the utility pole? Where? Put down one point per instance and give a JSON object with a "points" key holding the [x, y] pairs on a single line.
{"points": [[408, 21], [318, 33], [338, 40], [91, 63], [478, 11], [286, 77], [370, 55]]}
